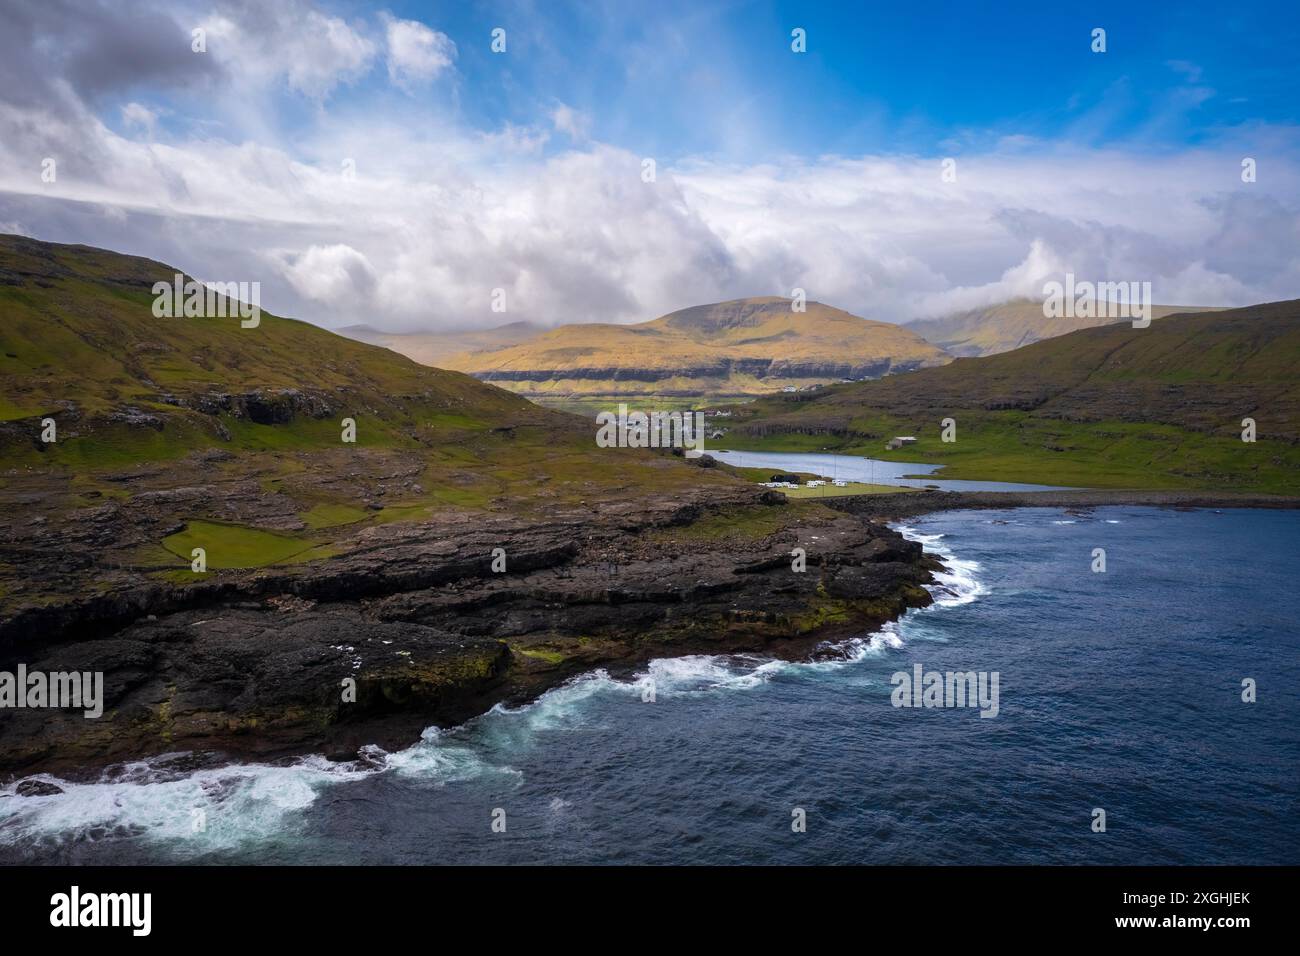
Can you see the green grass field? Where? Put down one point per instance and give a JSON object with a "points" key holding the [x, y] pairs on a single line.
{"points": [[829, 491], [1017, 447], [236, 546]]}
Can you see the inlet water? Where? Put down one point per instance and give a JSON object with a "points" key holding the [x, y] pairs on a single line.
{"points": [[868, 470]]}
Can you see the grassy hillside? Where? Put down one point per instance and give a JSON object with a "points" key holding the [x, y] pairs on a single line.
{"points": [[199, 423], [1112, 406], [79, 342], [739, 348], [1011, 325]]}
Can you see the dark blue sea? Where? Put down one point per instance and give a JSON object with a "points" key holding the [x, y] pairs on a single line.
{"points": [[1119, 691]]}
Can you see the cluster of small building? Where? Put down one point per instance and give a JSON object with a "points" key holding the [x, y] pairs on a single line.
{"points": [[792, 481]]}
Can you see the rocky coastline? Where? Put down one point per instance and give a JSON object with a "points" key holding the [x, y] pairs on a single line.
{"points": [[415, 625], [434, 622]]}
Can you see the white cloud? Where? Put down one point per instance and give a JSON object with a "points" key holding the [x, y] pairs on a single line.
{"points": [[439, 214], [573, 123], [338, 275], [886, 237], [416, 53], [429, 227], [141, 117], [311, 51], [1189, 70]]}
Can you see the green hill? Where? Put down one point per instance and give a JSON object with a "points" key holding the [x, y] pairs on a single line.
{"points": [[79, 343], [739, 348], [1111, 406]]}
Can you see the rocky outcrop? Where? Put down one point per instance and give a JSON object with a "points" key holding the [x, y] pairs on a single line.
{"points": [[412, 626], [264, 406]]}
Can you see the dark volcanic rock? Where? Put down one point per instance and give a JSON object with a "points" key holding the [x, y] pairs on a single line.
{"points": [[409, 625], [265, 406], [36, 788]]}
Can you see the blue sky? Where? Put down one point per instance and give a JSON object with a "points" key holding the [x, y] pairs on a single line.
{"points": [[522, 171], [719, 80]]}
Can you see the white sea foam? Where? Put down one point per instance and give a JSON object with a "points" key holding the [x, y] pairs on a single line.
{"points": [[957, 584], [697, 673], [195, 812], [442, 757], [858, 649]]}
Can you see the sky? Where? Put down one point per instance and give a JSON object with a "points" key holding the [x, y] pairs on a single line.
{"points": [[385, 165]]}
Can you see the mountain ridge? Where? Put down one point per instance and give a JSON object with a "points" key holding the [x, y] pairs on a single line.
{"points": [[748, 346], [1013, 324]]}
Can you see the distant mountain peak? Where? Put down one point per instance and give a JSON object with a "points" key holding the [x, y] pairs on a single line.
{"points": [[731, 314], [750, 346]]}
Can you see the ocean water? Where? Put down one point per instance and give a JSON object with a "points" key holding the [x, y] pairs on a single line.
{"points": [[1118, 690]]}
